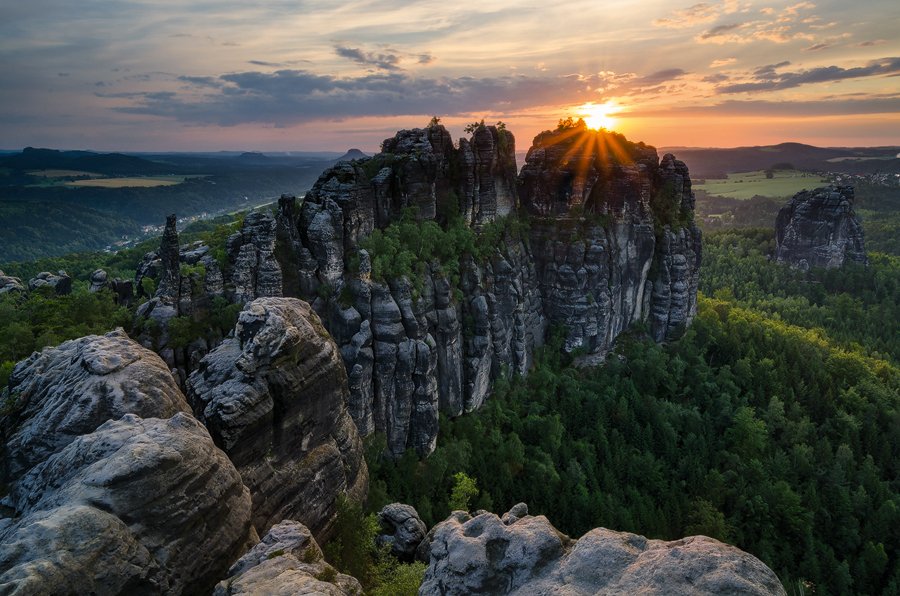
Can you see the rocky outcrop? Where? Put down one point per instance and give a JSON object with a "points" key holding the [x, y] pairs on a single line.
{"points": [[402, 529], [122, 289], [9, 283], [818, 228], [274, 398], [611, 243], [60, 282], [287, 561], [113, 486], [254, 270], [523, 554]]}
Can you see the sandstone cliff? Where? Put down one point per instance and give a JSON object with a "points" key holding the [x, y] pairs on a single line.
{"points": [[610, 242], [274, 398], [818, 228], [522, 554], [113, 486]]}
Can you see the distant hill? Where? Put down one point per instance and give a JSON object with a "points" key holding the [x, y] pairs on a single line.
{"points": [[716, 163], [110, 164], [352, 154]]}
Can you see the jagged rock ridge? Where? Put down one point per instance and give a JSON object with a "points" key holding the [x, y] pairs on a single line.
{"points": [[819, 228], [611, 243]]}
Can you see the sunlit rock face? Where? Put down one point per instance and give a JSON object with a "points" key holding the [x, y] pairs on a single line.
{"points": [[818, 228], [610, 242], [112, 485]]}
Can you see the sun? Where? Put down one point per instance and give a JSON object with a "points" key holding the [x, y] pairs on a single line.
{"points": [[597, 115]]}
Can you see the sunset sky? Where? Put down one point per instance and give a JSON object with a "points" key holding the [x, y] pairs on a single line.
{"points": [[325, 75]]}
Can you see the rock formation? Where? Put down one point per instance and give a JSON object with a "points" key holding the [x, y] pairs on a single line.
{"points": [[611, 243], [274, 399], [523, 554], [9, 283], [60, 282], [818, 228], [113, 486], [122, 289], [402, 528], [287, 561]]}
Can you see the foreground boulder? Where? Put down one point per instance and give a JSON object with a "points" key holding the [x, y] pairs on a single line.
{"points": [[287, 561], [818, 228], [274, 397], [527, 555], [113, 486]]}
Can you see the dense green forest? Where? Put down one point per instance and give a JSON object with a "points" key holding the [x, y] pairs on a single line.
{"points": [[773, 424]]}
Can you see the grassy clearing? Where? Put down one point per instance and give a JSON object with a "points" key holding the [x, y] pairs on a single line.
{"points": [[142, 182], [746, 185]]}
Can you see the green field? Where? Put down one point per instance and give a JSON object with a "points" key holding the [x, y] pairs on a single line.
{"points": [[136, 181], [746, 185]]}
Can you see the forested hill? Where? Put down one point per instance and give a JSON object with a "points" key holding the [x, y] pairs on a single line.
{"points": [[717, 162]]}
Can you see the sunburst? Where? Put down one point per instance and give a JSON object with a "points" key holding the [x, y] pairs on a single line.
{"points": [[597, 115]]}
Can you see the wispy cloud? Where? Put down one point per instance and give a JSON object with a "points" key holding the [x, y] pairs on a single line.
{"points": [[385, 61], [767, 78], [697, 14]]}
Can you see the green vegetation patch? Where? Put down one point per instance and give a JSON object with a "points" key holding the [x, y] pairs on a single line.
{"points": [[130, 182], [746, 185]]}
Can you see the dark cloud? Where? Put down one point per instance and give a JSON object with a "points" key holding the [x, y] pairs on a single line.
{"points": [[716, 78], [719, 30], [201, 81], [767, 79], [767, 72], [288, 97], [426, 59], [661, 76], [819, 46], [386, 61]]}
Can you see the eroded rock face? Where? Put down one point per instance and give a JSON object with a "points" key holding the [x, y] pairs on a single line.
{"points": [[611, 243], [60, 282], [286, 561], [819, 228], [522, 554], [114, 486], [402, 528], [274, 398]]}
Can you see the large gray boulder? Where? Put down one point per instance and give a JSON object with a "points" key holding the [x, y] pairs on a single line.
{"points": [[113, 486], [9, 283], [819, 228], [526, 555], [59, 281], [402, 528], [274, 397], [286, 561]]}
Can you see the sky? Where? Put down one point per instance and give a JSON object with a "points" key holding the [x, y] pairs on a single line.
{"points": [[157, 75]]}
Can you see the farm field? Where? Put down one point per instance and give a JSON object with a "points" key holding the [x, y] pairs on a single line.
{"points": [[137, 181], [746, 185]]}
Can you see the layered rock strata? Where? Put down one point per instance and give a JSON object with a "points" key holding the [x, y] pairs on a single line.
{"points": [[273, 396], [611, 243], [286, 561], [818, 228], [113, 486], [523, 554]]}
